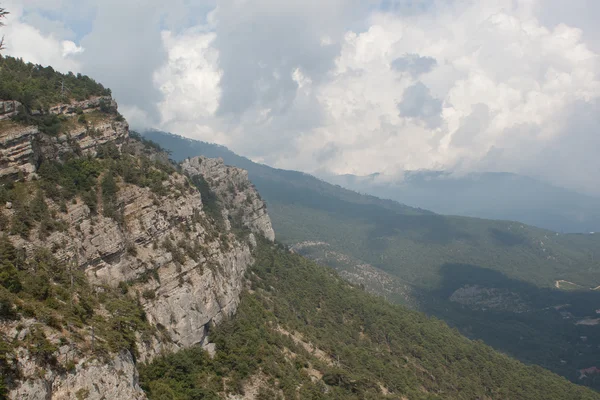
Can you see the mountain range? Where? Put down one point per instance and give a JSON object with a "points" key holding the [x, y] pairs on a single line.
{"points": [[492, 195]]}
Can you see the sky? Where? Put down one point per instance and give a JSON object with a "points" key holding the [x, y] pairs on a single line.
{"points": [[345, 86]]}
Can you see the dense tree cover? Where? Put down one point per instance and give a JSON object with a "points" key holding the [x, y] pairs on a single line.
{"points": [[361, 346], [38, 87]]}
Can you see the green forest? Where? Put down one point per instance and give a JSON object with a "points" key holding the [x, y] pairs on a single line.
{"points": [[303, 332], [38, 87]]}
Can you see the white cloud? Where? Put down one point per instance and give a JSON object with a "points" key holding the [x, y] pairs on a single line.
{"points": [[28, 42], [344, 86], [499, 70], [69, 48]]}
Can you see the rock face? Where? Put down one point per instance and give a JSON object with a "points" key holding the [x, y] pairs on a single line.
{"points": [[188, 294], [92, 379], [104, 102], [236, 192], [186, 269], [23, 147], [17, 150], [8, 109]]}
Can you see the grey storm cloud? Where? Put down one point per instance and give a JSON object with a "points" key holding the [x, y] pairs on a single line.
{"points": [[418, 103], [414, 64], [260, 45], [572, 158], [327, 152], [124, 57], [568, 159]]}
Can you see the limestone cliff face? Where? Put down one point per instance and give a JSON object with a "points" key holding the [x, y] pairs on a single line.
{"points": [[91, 379], [236, 192], [8, 109], [185, 268], [22, 148]]}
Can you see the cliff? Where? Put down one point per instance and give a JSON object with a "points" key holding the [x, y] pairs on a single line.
{"points": [[139, 233], [235, 192]]}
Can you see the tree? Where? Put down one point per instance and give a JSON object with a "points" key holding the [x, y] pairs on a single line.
{"points": [[3, 14]]}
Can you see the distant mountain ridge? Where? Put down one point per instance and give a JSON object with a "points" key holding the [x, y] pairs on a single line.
{"points": [[493, 195]]}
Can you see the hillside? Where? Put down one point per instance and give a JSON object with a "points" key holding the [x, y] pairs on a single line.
{"points": [[494, 280], [109, 254], [301, 332], [485, 195]]}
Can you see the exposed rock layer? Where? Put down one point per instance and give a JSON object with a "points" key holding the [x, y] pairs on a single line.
{"points": [[236, 192], [189, 268], [23, 147]]}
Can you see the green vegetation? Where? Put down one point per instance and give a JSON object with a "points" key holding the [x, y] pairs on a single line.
{"points": [[430, 256], [38, 87], [58, 296], [300, 321], [210, 201], [3, 14]]}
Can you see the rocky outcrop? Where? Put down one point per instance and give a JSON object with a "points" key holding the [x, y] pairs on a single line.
{"points": [[483, 298], [17, 150], [91, 379], [237, 194], [106, 103], [8, 109], [194, 277], [185, 268], [23, 147]]}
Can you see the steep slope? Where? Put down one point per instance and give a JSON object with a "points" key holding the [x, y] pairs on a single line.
{"points": [[303, 333], [494, 280], [108, 255], [485, 195]]}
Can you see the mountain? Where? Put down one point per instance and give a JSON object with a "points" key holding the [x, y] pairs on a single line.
{"points": [[503, 196], [109, 254], [524, 290], [125, 276]]}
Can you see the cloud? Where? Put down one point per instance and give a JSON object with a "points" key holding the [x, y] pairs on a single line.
{"points": [[124, 49], [30, 43], [69, 48], [470, 126], [414, 64], [418, 103], [262, 43], [345, 86]]}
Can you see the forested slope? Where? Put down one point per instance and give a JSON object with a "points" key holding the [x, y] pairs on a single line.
{"points": [[302, 332]]}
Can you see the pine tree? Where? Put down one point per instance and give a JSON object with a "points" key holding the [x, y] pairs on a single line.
{"points": [[3, 14]]}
